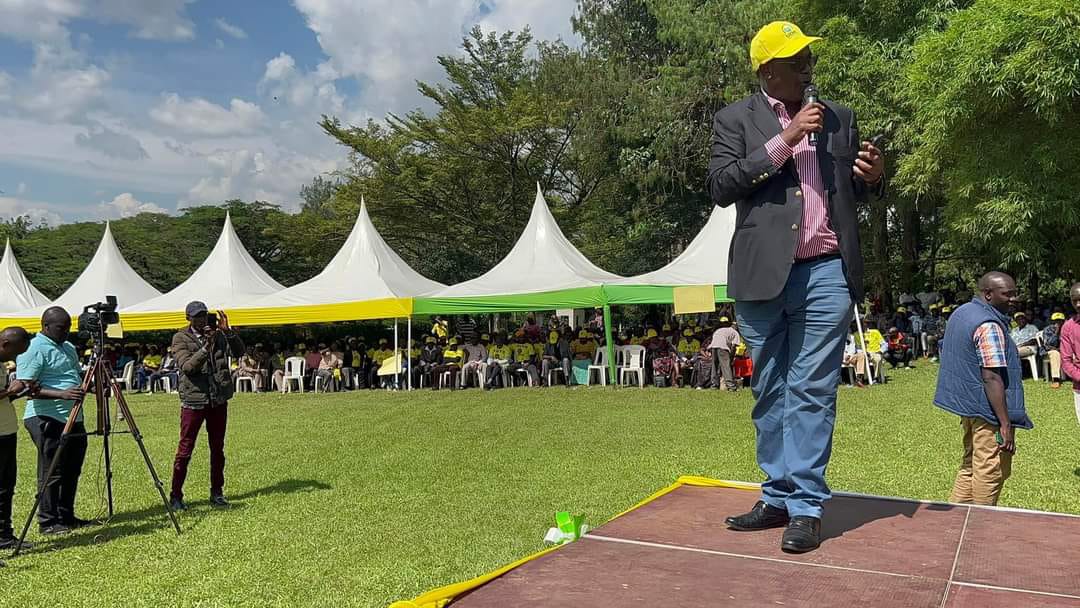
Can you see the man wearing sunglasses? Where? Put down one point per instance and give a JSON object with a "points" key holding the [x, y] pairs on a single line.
{"points": [[795, 267]]}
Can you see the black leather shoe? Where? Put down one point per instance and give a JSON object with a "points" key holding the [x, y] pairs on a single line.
{"points": [[55, 530], [761, 517], [177, 504], [803, 534]]}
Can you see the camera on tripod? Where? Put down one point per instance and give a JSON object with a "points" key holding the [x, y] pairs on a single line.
{"points": [[95, 317]]}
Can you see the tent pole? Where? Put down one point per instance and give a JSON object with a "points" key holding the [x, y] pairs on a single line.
{"points": [[397, 353], [862, 340], [408, 380], [609, 344]]}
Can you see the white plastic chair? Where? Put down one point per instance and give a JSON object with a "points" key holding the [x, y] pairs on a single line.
{"points": [[599, 366], [166, 384], [450, 376], [294, 372], [633, 363], [319, 381], [242, 380], [555, 369], [1032, 359], [127, 379]]}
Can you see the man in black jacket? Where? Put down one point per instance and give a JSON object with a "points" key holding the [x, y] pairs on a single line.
{"points": [[795, 268], [202, 353]]}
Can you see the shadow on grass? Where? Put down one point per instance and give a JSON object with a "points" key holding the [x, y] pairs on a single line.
{"points": [[1076, 471], [154, 519]]}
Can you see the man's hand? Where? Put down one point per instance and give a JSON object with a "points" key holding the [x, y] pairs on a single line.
{"points": [[72, 394], [870, 164], [810, 118], [1008, 441]]}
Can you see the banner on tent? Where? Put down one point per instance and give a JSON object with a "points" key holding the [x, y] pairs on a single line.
{"points": [[694, 298]]}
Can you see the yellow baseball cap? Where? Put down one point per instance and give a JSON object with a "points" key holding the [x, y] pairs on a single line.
{"points": [[453, 341], [687, 332], [485, 337], [429, 340], [667, 327], [584, 334], [902, 309], [777, 40], [651, 333], [725, 320], [1057, 316], [1019, 314]]}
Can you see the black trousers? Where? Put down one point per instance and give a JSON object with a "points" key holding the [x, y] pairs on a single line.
{"points": [[7, 482], [58, 500]]}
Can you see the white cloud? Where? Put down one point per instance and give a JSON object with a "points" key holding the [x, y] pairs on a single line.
{"points": [[230, 29], [21, 190], [390, 44], [152, 20], [315, 91], [31, 20], [111, 143], [201, 117], [6, 84], [219, 44], [42, 20], [126, 205], [37, 211]]}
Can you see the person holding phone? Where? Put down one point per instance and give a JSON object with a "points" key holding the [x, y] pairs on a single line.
{"points": [[980, 381], [202, 352]]}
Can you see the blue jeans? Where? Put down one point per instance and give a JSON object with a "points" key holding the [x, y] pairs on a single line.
{"points": [[797, 344]]}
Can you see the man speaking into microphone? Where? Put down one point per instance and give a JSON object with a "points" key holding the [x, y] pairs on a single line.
{"points": [[795, 169]]}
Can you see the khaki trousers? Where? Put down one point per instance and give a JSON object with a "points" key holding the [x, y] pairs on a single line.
{"points": [[1055, 364], [985, 467]]}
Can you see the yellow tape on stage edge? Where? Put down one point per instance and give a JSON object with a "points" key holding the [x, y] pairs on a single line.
{"points": [[441, 597]]}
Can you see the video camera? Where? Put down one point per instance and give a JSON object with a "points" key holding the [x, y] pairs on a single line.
{"points": [[94, 317]]}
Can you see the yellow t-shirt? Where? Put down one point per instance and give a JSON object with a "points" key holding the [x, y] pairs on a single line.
{"points": [[523, 352], [538, 348], [439, 329], [874, 340], [688, 348], [588, 348], [502, 353], [153, 361], [9, 420], [636, 341], [382, 355], [452, 356]]}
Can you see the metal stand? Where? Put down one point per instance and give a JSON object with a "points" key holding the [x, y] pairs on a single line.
{"points": [[100, 379]]}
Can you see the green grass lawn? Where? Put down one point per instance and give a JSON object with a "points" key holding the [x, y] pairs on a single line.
{"points": [[359, 499]]}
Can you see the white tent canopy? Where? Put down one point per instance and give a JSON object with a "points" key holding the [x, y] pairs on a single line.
{"points": [[229, 276], [107, 274], [705, 260], [365, 268], [542, 259], [16, 291]]}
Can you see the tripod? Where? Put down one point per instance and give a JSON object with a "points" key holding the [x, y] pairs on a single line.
{"points": [[100, 379]]}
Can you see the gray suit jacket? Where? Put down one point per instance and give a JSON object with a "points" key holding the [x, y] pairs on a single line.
{"points": [[768, 212]]}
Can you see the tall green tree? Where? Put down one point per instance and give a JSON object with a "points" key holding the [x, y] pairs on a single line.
{"points": [[995, 97]]}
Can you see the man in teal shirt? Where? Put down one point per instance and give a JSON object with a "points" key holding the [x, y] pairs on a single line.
{"points": [[51, 362]]}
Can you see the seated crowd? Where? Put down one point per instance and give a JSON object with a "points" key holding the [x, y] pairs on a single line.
{"points": [[911, 332], [704, 352]]}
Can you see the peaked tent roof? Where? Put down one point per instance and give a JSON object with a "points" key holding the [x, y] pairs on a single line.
{"points": [[542, 260], [107, 274], [227, 277], [705, 260], [16, 291], [365, 268]]}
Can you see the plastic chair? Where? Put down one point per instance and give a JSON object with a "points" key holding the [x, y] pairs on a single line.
{"points": [[294, 372], [319, 380], [554, 370], [451, 375], [1032, 359], [166, 384], [127, 379], [633, 363], [242, 380], [599, 366]]}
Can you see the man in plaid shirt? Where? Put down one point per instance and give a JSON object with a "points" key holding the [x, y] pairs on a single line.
{"points": [[980, 380]]}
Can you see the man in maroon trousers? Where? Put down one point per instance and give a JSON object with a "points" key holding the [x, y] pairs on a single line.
{"points": [[202, 353]]}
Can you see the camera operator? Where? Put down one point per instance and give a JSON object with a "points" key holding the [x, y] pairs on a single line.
{"points": [[202, 353], [51, 362], [13, 342]]}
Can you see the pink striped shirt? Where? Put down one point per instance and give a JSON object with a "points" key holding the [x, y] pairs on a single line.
{"points": [[816, 236]]}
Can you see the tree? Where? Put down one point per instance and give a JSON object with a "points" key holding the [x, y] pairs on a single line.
{"points": [[995, 96], [452, 190]]}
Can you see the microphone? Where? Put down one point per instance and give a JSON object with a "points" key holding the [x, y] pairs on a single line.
{"points": [[810, 95]]}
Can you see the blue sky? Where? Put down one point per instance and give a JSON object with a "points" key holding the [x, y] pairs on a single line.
{"points": [[113, 107]]}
